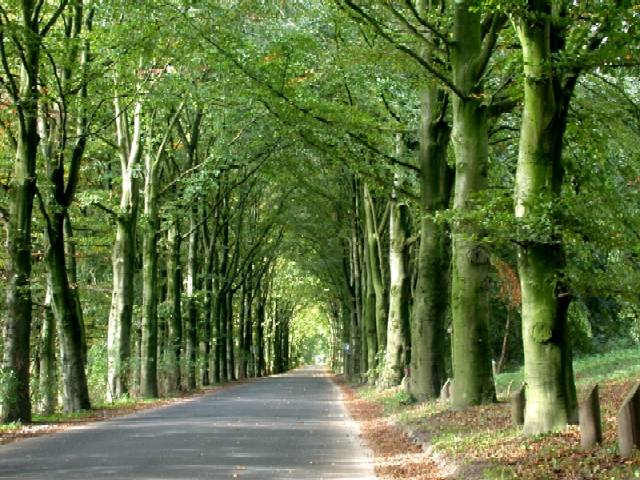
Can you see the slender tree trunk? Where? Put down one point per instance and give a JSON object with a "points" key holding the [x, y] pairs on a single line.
{"points": [[48, 378], [397, 349], [551, 394], [428, 348], [260, 322], [209, 314], [245, 326], [369, 314], [174, 299], [149, 339], [375, 272], [358, 339], [473, 378], [231, 359], [192, 307], [123, 258]]}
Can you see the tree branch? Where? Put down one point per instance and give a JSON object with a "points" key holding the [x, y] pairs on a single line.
{"points": [[439, 35], [447, 82], [498, 21], [104, 209], [54, 18]]}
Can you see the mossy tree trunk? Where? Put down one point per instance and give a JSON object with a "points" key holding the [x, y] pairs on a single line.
{"points": [[428, 345], [551, 393], [473, 380]]}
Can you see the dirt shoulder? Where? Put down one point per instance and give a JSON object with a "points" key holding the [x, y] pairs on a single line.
{"points": [[429, 441]]}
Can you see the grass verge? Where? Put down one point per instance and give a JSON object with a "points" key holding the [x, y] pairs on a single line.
{"points": [[484, 444]]}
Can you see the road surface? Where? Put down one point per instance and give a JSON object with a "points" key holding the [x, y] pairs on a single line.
{"points": [[292, 426]]}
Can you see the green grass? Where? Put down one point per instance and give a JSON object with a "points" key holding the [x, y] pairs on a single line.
{"points": [[615, 365], [9, 426], [393, 400], [61, 417]]}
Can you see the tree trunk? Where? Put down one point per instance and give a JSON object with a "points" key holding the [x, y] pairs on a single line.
{"points": [[192, 307], [369, 317], [149, 339], [48, 385], [68, 321], [428, 346], [397, 349], [473, 379], [230, 339], [16, 401], [260, 321], [375, 272], [209, 314], [551, 394], [123, 258], [174, 299]]}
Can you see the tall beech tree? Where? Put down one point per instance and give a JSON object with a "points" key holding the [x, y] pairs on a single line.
{"points": [[545, 32], [397, 354], [469, 47], [130, 149], [154, 157], [24, 29], [62, 168]]}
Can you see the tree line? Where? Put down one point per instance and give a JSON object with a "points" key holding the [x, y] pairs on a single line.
{"points": [[439, 168]]}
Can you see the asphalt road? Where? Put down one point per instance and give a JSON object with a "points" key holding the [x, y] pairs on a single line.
{"points": [[292, 426]]}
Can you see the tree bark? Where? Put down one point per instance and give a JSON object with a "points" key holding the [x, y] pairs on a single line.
{"points": [[69, 323], [123, 257], [473, 379], [149, 339], [174, 299], [48, 385], [432, 285], [398, 336], [16, 401], [551, 394], [192, 307], [375, 273]]}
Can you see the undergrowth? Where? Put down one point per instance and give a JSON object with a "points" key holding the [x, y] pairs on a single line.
{"points": [[484, 435]]}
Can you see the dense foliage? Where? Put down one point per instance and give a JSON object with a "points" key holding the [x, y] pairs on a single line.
{"points": [[194, 192]]}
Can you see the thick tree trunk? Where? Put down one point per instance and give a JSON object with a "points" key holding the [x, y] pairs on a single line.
{"points": [[551, 394], [16, 401], [428, 346], [68, 320], [473, 379]]}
